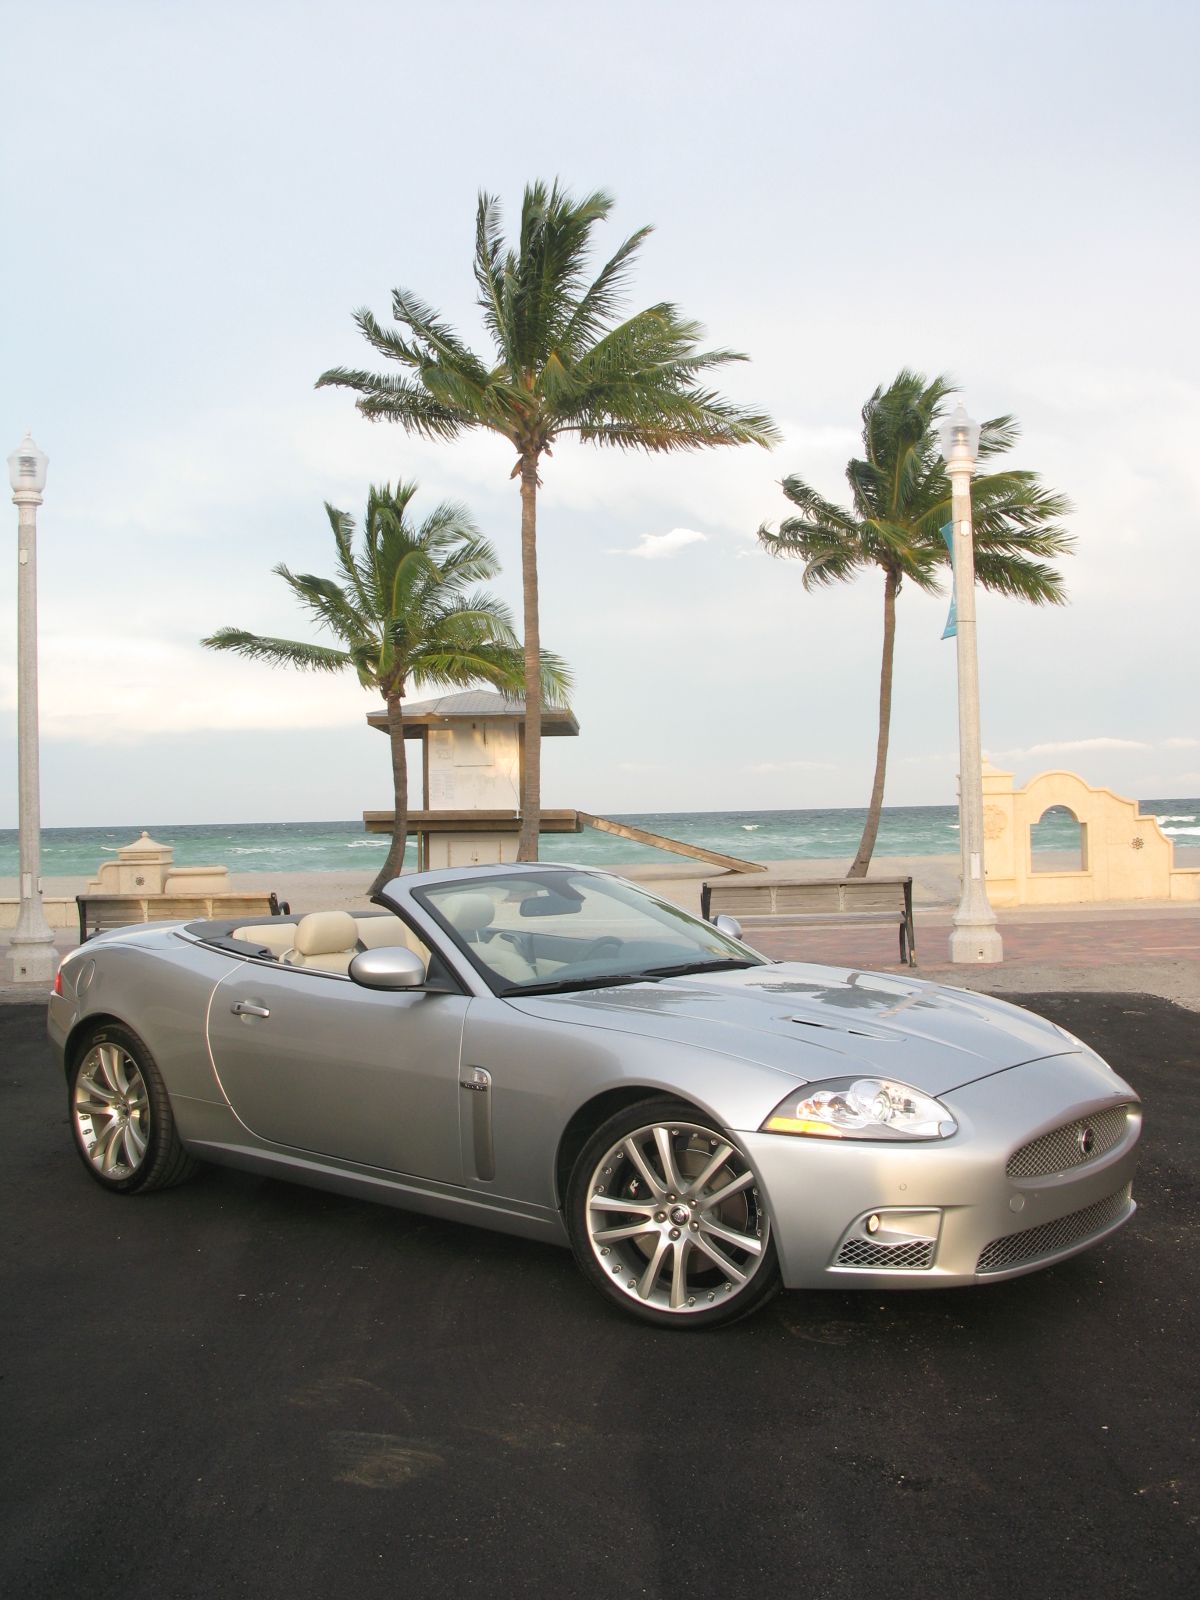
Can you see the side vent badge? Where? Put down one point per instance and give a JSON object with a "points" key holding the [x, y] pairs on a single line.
{"points": [[479, 1081]]}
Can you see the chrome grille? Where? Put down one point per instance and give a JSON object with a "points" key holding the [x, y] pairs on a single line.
{"points": [[1015, 1249], [1068, 1147], [910, 1257]]}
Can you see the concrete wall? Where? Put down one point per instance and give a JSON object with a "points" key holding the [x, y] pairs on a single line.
{"points": [[59, 914], [1125, 856]]}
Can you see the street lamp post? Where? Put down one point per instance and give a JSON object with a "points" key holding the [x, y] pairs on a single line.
{"points": [[975, 936], [32, 957]]}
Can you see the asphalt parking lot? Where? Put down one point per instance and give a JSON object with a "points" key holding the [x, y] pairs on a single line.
{"points": [[240, 1387]]}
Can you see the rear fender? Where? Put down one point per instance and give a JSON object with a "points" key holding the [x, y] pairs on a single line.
{"points": [[161, 992]]}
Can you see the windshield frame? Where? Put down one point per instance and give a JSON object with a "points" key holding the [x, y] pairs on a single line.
{"points": [[720, 947]]}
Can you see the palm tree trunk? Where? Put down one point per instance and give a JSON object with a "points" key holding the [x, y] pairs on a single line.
{"points": [[394, 865], [866, 846], [531, 795]]}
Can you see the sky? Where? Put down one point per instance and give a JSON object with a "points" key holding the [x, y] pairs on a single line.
{"points": [[197, 197]]}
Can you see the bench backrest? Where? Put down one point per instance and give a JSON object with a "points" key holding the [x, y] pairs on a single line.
{"points": [[99, 912], [797, 897]]}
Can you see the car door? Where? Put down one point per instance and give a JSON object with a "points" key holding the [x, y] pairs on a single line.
{"points": [[313, 1061]]}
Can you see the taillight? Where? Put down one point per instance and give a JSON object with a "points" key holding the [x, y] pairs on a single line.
{"points": [[57, 982]]}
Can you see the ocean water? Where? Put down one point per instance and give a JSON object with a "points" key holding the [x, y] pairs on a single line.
{"points": [[755, 835]]}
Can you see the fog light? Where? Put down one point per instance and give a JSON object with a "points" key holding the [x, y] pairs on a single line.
{"points": [[872, 1223]]}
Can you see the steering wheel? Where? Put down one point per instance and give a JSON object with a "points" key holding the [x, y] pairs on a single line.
{"points": [[518, 940], [598, 947]]}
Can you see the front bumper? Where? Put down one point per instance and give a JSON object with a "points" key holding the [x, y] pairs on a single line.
{"points": [[947, 1213]]}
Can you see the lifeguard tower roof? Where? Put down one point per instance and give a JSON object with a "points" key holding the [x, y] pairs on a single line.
{"points": [[476, 704]]}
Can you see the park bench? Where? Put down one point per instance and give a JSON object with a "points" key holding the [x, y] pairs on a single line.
{"points": [[100, 912], [817, 902]]}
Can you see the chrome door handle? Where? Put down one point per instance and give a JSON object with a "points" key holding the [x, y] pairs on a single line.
{"points": [[246, 1008]]}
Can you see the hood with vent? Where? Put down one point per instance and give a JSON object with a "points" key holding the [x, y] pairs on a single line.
{"points": [[814, 1023]]}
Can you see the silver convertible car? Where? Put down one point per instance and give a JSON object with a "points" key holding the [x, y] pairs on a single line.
{"points": [[550, 1051]]}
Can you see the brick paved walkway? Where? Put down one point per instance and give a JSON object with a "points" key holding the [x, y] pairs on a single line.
{"points": [[1101, 939]]}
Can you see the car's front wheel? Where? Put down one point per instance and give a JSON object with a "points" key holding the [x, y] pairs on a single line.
{"points": [[121, 1115], [668, 1220]]}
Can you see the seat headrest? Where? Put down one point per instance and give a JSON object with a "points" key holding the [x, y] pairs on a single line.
{"points": [[469, 911], [325, 933]]}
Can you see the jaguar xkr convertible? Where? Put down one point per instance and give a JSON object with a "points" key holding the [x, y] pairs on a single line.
{"points": [[551, 1051]]}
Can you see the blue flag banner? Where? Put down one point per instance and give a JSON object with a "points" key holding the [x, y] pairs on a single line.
{"points": [[950, 631]]}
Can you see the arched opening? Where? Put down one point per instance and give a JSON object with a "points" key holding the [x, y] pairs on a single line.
{"points": [[1058, 842]]}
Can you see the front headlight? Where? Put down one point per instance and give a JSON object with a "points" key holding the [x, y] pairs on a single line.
{"points": [[861, 1108]]}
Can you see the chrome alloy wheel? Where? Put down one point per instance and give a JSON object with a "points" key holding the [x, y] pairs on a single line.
{"points": [[111, 1105], [675, 1219]]}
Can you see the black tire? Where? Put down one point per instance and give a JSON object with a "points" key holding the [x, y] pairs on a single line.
{"points": [[121, 1115], [668, 1271]]}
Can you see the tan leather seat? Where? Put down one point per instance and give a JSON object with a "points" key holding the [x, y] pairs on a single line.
{"points": [[387, 931], [468, 912], [370, 933], [277, 937], [471, 912], [326, 940]]}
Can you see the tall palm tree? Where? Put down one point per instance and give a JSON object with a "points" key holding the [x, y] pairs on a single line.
{"points": [[403, 614], [561, 363], [900, 500]]}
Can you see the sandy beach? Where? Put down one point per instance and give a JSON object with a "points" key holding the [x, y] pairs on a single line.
{"points": [[935, 880]]}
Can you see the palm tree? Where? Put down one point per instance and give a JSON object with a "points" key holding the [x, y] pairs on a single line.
{"points": [[403, 615], [900, 497], [561, 364]]}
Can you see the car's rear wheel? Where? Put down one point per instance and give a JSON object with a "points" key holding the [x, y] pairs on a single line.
{"points": [[668, 1220], [121, 1115]]}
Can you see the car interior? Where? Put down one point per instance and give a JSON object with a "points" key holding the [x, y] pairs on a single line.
{"points": [[327, 941], [517, 933], [528, 933]]}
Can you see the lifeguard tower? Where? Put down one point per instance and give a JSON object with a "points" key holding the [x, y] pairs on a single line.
{"points": [[472, 761]]}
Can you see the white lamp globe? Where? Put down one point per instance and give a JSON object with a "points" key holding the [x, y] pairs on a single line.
{"points": [[27, 467], [958, 434]]}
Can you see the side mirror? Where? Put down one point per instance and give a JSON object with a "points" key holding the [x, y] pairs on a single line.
{"points": [[729, 926], [389, 967]]}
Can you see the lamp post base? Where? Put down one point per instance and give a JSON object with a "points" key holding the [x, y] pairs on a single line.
{"points": [[31, 961], [976, 943]]}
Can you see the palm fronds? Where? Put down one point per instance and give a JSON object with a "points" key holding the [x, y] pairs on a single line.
{"points": [[404, 615], [278, 652], [564, 360], [901, 498], [403, 608]]}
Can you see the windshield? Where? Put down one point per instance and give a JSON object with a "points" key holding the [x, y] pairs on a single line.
{"points": [[536, 931]]}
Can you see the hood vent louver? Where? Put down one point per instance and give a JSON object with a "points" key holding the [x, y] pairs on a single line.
{"points": [[852, 1032]]}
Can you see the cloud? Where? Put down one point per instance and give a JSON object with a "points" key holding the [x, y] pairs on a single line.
{"points": [[140, 686], [1182, 744], [1070, 746], [661, 546]]}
